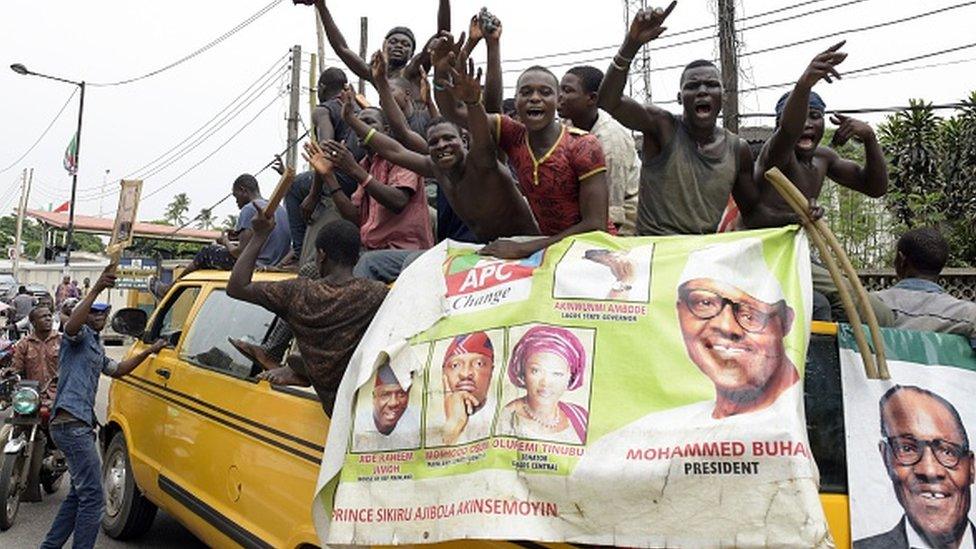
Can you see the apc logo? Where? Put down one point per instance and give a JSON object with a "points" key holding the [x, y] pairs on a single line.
{"points": [[476, 283]]}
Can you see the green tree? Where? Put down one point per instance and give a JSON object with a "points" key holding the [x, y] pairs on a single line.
{"points": [[176, 210], [932, 165], [32, 237], [230, 222], [205, 219]]}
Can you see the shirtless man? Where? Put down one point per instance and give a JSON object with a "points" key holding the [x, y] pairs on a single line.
{"points": [[690, 164], [794, 149], [399, 46], [478, 187]]}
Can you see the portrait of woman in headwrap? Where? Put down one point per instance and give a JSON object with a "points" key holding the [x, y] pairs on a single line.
{"points": [[546, 362]]}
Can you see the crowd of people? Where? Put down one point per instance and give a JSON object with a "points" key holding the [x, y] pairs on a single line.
{"points": [[445, 156]]}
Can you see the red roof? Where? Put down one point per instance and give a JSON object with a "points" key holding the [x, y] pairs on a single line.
{"points": [[104, 225]]}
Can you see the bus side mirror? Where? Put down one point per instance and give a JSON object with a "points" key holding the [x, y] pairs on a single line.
{"points": [[130, 322]]}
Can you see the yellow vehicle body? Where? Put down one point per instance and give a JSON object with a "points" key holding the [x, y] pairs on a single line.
{"points": [[234, 459]]}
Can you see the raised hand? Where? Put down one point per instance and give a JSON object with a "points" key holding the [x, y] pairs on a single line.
{"points": [[378, 65], [444, 51], [106, 279], [340, 156], [278, 165], [475, 32], [849, 127], [316, 158], [495, 34], [646, 25], [466, 85], [824, 65], [424, 87], [348, 99]]}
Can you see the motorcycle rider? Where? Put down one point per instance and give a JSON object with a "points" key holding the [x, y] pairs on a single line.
{"points": [[72, 426], [36, 356]]}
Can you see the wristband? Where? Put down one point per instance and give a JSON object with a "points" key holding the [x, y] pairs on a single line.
{"points": [[366, 181], [623, 59], [369, 135], [613, 63]]}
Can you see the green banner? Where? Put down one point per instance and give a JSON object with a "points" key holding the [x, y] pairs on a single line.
{"points": [[628, 391]]}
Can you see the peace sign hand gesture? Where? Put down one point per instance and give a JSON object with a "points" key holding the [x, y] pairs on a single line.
{"points": [[646, 25], [824, 65]]}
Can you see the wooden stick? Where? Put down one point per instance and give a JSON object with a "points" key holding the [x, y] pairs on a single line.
{"points": [[800, 205], [284, 184]]}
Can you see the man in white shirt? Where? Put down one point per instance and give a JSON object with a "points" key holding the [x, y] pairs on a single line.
{"points": [[386, 422], [925, 448], [577, 103]]}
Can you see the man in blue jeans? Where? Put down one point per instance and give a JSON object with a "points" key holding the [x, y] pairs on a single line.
{"points": [[73, 422]]}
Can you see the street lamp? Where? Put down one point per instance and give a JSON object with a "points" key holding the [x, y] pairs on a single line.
{"points": [[21, 69]]}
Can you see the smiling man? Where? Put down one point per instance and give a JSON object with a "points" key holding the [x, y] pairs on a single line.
{"points": [[691, 166], [468, 405], [926, 451], [388, 423], [733, 319]]}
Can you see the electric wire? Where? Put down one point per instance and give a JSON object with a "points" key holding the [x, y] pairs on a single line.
{"points": [[240, 26], [43, 133]]}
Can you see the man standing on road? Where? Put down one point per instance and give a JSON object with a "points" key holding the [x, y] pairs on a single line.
{"points": [[73, 417]]}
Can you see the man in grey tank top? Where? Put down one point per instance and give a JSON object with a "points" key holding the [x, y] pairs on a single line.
{"points": [[690, 166]]}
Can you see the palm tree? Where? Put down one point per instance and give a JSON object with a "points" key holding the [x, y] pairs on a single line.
{"points": [[205, 219], [230, 222], [176, 210]]}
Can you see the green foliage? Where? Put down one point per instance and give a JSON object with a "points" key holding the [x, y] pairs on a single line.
{"points": [[932, 166], [176, 210], [861, 223], [205, 219], [230, 222], [163, 249]]}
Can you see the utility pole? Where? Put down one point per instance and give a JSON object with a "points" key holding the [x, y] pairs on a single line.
{"points": [[640, 68], [25, 186], [363, 27], [296, 90], [729, 55], [101, 193]]}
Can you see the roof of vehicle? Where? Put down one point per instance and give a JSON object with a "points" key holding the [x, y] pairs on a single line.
{"points": [[224, 276]]}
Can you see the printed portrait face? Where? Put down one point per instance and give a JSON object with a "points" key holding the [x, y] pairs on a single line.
{"points": [[546, 379], [469, 372], [929, 463], [735, 339], [389, 403]]}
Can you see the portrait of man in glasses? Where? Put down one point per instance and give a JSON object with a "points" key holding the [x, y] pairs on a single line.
{"points": [[925, 449], [733, 319]]}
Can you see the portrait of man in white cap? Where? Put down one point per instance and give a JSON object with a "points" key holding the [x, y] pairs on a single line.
{"points": [[733, 319], [385, 421]]}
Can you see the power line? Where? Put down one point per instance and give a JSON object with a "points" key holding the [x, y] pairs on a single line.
{"points": [[218, 149], [862, 110], [679, 33], [197, 52], [869, 68], [252, 95], [782, 46], [260, 79], [228, 195], [47, 129]]}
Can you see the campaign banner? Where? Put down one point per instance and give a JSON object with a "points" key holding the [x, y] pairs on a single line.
{"points": [[125, 215], [644, 392], [910, 464]]}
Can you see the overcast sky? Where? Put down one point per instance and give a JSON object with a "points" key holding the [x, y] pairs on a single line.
{"points": [[128, 126]]}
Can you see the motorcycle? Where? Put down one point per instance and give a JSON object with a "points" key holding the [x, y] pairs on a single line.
{"points": [[30, 460]]}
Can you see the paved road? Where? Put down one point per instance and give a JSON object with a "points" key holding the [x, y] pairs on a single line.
{"points": [[34, 519]]}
